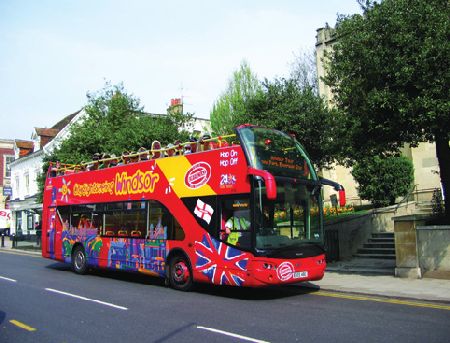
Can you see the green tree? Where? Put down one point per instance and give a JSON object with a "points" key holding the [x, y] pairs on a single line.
{"points": [[381, 180], [230, 109], [115, 122], [389, 72], [304, 72], [288, 106]]}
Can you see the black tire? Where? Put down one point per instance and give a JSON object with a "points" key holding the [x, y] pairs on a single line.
{"points": [[79, 262], [180, 273]]}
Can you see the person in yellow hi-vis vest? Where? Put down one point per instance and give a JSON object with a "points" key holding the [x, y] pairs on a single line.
{"points": [[234, 226]]}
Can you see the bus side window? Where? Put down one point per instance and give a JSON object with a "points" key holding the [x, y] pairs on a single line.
{"points": [[163, 224], [177, 230], [236, 226], [64, 213], [125, 219], [156, 228], [112, 223], [97, 222], [74, 221]]}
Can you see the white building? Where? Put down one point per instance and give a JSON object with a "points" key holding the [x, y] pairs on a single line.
{"points": [[26, 168]]}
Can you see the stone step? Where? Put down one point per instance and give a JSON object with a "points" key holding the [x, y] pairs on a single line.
{"points": [[381, 240], [383, 235], [388, 245], [382, 256], [376, 251], [425, 206]]}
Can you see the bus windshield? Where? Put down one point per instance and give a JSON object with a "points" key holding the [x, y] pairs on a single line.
{"points": [[276, 152], [292, 219]]}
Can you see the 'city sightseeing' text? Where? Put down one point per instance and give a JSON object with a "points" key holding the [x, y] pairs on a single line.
{"points": [[88, 189]]}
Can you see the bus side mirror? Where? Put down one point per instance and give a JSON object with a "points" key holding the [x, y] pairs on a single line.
{"points": [[337, 187], [269, 180], [342, 200]]}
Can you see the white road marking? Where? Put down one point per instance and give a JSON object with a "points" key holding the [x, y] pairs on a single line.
{"points": [[7, 279], [232, 334], [87, 299]]}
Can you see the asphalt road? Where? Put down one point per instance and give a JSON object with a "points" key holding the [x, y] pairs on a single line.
{"points": [[43, 301]]}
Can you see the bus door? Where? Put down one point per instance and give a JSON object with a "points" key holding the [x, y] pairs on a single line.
{"points": [[51, 230], [54, 239]]}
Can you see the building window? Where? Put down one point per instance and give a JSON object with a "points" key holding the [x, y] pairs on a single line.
{"points": [[27, 183], [16, 187], [18, 222], [7, 162], [37, 172], [30, 223]]}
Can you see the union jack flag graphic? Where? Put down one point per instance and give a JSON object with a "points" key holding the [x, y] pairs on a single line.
{"points": [[222, 264]]}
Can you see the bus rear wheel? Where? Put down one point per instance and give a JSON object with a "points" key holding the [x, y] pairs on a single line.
{"points": [[79, 263], [180, 273]]}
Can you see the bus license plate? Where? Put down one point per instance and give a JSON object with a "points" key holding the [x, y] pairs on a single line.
{"points": [[299, 275]]}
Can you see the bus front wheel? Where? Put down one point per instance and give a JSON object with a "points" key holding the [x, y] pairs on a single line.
{"points": [[79, 263], [180, 273]]}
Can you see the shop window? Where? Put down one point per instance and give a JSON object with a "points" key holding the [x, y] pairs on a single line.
{"points": [[30, 222], [19, 223]]}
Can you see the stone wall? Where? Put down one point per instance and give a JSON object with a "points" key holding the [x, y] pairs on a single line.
{"points": [[352, 232], [433, 248], [421, 250], [406, 260], [382, 221]]}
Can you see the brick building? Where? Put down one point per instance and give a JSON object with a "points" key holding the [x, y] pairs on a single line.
{"points": [[6, 157]]}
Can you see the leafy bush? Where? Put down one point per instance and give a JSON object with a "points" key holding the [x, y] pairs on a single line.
{"points": [[382, 179]]}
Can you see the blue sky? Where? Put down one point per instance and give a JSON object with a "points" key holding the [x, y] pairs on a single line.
{"points": [[53, 52]]}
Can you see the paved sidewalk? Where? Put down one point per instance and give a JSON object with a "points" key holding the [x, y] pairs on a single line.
{"points": [[364, 266], [22, 246], [388, 286], [376, 277], [354, 277]]}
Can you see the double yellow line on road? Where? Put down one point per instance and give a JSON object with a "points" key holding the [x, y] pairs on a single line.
{"points": [[382, 300]]}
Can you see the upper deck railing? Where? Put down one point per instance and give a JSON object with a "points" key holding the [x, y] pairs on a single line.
{"points": [[176, 149]]}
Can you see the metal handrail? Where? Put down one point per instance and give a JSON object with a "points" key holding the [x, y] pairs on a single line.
{"points": [[406, 197]]}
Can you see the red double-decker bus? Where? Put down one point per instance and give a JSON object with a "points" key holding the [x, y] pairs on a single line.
{"points": [[247, 213]]}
